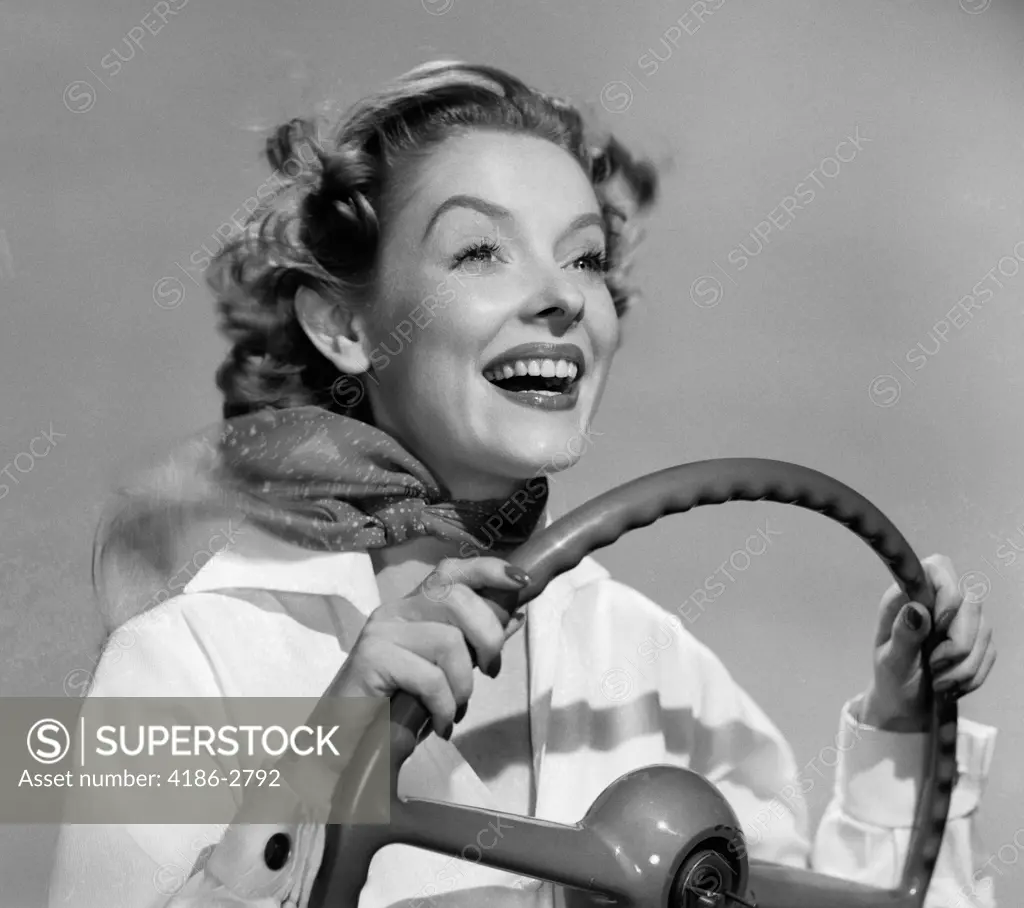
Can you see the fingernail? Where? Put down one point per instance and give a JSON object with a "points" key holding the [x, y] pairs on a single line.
{"points": [[494, 667], [517, 574], [912, 618], [447, 733], [460, 713]]}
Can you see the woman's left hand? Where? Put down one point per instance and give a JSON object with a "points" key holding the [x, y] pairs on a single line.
{"points": [[896, 700]]}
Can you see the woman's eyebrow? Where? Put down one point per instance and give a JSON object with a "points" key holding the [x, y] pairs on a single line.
{"points": [[497, 212], [590, 219], [468, 201]]}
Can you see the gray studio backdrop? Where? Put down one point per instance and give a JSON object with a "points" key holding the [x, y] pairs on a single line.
{"points": [[824, 330]]}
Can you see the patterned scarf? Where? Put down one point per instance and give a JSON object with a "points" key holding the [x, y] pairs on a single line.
{"points": [[308, 476], [332, 483]]}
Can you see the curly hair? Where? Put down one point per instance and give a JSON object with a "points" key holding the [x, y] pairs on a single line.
{"points": [[320, 224]]}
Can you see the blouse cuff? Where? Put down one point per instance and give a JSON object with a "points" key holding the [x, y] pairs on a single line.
{"points": [[879, 772], [271, 862]]}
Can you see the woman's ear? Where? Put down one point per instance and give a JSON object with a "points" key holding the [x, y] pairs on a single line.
{"points": [[334, 331]]}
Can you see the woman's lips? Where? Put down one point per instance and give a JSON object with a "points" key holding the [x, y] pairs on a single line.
{"points": [[540, 400], [542, 383], [542, 376]]}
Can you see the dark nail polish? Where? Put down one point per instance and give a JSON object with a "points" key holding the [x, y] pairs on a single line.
{"points": [[494, 667], [913, 619], [517, 574], [460, 713], [447, 733]]}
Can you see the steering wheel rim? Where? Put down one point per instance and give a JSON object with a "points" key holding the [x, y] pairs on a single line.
{"points": [[573, 856]]}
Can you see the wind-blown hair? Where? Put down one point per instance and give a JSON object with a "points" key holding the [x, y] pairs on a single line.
{"points": [[327, 233], [318, 225]]}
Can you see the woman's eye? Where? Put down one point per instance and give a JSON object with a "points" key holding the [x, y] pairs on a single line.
{"points": [[480, 253], [595, 261], [488, 253]]}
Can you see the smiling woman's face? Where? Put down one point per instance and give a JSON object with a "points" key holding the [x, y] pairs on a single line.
{"points": [[491, 268]]}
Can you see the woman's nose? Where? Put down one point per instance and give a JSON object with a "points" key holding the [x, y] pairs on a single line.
{"points": [[560, 303]]}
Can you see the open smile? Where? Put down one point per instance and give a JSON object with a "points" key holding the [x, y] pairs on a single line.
{"points": [[542, 376]]}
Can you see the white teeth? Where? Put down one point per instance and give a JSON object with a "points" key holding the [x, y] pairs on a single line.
{"points": [[545, 368]]}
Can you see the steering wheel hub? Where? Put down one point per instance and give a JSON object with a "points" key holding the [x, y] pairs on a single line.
{"points": [[704, 880]]}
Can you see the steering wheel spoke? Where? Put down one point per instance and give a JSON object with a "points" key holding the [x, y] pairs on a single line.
{"points": [[776, 886], [583, 859]]}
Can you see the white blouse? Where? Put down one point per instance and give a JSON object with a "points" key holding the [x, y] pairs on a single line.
{"points": [[678, 706]]}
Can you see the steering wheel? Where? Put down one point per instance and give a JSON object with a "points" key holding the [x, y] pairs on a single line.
{"points": [[608, 858]]}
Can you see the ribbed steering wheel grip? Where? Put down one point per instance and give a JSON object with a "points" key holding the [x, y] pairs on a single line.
{"points": [[641, 502]]}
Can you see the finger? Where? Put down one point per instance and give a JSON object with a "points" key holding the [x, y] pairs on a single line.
{"points": [[482, 628], [479, 574], [939, 565], [400, 668], [517, 620], [986, 666], [940, 571], [445, 646], [960, 636], [463, 609], [968, 668], [909, 631], [893, 600], [483, 572]]}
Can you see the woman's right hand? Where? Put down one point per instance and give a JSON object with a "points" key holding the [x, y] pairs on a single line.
{"points": [[424, 644]]}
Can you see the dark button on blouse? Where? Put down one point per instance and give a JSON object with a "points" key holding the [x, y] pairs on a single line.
{"points": [[279, 846]]}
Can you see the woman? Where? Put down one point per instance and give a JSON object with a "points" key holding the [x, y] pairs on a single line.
{"points": [[450, 273]]}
